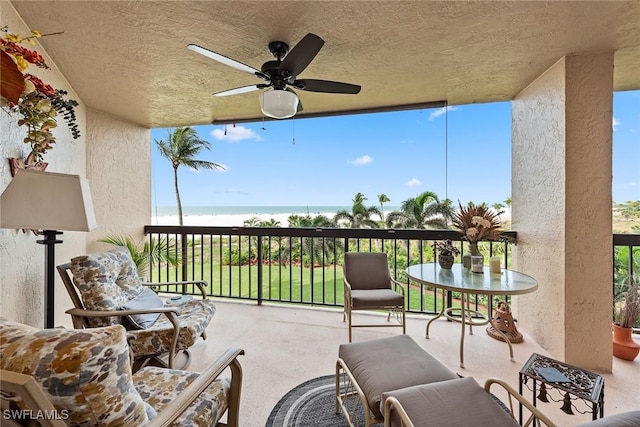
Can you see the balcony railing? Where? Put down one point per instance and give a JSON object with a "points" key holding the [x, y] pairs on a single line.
{"points": [[304, 265], [626, 265]]}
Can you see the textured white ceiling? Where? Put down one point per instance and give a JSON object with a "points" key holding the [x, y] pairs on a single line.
{"points": [[129, 58]]}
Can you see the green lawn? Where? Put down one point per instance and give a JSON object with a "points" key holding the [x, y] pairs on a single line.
{"points": [[280, 282], [284, 284]]}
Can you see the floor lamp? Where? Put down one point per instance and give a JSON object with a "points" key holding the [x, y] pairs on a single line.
{"points": [[48, 202]]}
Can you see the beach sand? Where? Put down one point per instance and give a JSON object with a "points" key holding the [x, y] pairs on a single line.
{"points": [[237, 220], [220, 220]]}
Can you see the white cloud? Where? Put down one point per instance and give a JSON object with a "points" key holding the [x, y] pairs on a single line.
{"points": [[362, 160], [413, 182], [440, 111], [615, 124], [235, 134]]}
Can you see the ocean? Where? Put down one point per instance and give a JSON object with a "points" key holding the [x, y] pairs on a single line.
{"points": [[232, 216], [254, 210]]}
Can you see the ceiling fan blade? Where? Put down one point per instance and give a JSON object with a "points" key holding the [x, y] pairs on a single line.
{"points": [[327, 86], [238, 90], [302, 54], [226, 61]]}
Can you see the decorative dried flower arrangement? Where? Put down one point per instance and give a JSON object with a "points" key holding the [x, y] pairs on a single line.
{"points": [[478, 223], [36, 102]]}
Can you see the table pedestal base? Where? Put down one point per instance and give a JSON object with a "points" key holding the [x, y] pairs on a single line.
{"points": [[467, 318]]}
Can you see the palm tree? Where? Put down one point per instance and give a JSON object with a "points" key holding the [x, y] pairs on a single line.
{"points": [[321, 249], [254, 221], [306, 221], [360, 215], [156, 251], [382, 199], [181, 148], [271, 222], [424, 211]]}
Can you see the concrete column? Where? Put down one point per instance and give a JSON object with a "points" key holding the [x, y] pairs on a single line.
{"points": [[119, 170], [561, 198]]}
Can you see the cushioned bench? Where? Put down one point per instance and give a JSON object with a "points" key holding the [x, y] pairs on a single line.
{"points": [[459, 402], [624, 419], [368, 369], [394, 379]]}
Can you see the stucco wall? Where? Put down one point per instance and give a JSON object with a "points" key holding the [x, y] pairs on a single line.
{"points": [[538, 207], [119, 175], [562, 207], [588, 218], [21, 258], [119, 169]]}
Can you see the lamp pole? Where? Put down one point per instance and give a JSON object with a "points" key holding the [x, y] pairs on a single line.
{"points": [[50, 241]]}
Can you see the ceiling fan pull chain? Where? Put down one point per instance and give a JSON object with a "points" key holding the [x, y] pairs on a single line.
{"points": [[293, 130]]}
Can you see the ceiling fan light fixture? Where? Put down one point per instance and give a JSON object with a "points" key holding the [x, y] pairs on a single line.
{"points": [[278, 103]]}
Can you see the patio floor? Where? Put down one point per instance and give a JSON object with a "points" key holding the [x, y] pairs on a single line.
{"points": [[287, 345]]}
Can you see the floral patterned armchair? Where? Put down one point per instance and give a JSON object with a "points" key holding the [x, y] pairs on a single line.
{"points": [[107, 290], [83, 377]]}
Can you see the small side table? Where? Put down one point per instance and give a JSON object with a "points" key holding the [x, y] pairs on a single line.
{"points": [[584, 385]]}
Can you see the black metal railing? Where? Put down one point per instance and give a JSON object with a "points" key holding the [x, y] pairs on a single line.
{"points": [[626, 257], [626, 265], [302, 265]]}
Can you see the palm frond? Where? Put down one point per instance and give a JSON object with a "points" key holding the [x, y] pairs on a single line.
{"points": [[156, 251]]}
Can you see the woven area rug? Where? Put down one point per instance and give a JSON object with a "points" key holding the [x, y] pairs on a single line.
{"points": [[310, 404]]}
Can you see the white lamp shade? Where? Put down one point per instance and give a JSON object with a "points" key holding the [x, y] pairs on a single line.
{"points": [[279, 104], [47, 201]]}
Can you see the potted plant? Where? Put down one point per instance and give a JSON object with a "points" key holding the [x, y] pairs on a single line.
{"points": [[157, 251], [626, 312], [36, 103], [446, 251]]}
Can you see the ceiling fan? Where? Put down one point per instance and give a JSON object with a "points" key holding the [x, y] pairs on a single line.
{"points": [[279, 100]]}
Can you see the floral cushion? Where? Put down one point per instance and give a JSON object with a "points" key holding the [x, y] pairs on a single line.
{"points": [[106, 281], [85, 372], [194, 317], [159, 387]]}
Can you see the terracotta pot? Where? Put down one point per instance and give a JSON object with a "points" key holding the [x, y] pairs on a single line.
{"points": [[624, 346]]}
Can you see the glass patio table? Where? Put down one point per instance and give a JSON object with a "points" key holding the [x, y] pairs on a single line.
{"points": [[463, 280]]}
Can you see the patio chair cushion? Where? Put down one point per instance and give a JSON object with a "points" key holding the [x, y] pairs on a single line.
{"points": [[375, 298], [459, 402], [146, 299], [160, 386], [85, 372], [370, 269], [623, 419], [106, 281], [194, 317], [391, 363]]}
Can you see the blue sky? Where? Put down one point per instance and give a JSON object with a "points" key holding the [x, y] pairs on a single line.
{"points": [[326, 161]]}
